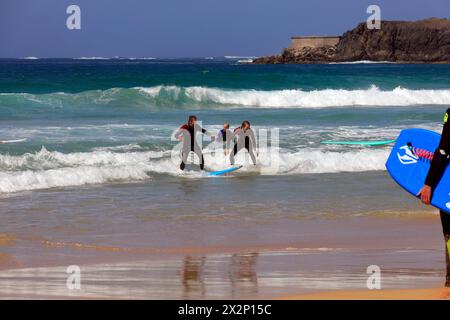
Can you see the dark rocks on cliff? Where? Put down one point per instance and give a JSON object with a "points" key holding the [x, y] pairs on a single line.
{"points": [[424, 41], [303, 55]]}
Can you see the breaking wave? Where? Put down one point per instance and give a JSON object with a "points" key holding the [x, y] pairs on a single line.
{"points": [[299, 98], [50, 169], [206, 97]]}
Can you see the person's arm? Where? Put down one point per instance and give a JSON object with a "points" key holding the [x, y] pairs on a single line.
{"points": [[206, 132], [179, 134], [438, 163], [234, 136], [230, 137]]}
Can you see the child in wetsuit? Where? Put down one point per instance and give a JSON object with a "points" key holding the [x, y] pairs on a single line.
{"points": [[224, 135], [245, 139]]}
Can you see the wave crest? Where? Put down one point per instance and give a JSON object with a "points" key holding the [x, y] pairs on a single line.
{"points": [[206, 97]]}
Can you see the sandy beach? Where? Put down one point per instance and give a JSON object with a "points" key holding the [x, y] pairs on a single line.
{"points": [[276, 272]]}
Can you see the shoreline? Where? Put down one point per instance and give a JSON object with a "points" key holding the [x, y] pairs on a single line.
{"points": [[19, 251]]}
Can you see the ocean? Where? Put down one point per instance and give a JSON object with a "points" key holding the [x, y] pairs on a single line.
{"points": [[98, 173]]}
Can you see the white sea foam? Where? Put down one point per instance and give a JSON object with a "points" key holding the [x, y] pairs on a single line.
{"points": [[46, 169], [44, 179], [321, 161], [362, 62], [127, 147], [244, 61], [240, 57], [92, 58], [295, 98], [115, 58], [134, 58], [45, 159]]}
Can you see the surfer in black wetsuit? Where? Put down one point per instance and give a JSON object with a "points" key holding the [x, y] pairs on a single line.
{"points": [[187, 134], [245, 139], [437, 168], [224, 135]]}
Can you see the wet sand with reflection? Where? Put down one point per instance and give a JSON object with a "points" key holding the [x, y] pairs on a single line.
{"points": [[245, 275]]}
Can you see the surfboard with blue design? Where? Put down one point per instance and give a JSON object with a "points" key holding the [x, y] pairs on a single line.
{"points": [[410, 160], [223, 172]]}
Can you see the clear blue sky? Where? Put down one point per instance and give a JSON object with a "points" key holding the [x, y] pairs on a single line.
{"points": [[185, 28]]}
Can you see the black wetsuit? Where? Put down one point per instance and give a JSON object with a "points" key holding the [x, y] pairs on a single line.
{"points": [[192, 145], [245, 139], [223, 132], [225, 136], [437, 168]]}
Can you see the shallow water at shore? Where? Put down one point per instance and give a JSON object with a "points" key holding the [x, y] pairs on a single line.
{"points": [[228, 211], [142, 240]]}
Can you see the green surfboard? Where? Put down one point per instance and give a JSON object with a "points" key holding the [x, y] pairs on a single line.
{"points": [[361, 143]]}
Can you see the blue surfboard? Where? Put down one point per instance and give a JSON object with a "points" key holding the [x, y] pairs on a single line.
{"points": [[409, 162], [222, 172]]}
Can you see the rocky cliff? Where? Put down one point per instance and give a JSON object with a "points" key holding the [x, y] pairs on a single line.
{"points": [[424, 41]]}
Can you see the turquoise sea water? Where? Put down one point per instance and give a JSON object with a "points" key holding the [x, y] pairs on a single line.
{"points": [[106, 121], [98, 171]]}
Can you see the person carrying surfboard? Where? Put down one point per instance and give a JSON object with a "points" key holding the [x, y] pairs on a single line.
{"points": [[187, 134], [244, 138], [437, 168], [224, 135]]}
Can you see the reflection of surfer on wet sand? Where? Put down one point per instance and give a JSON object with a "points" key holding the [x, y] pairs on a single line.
{"points": [[243, 277], [192, 276]]}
